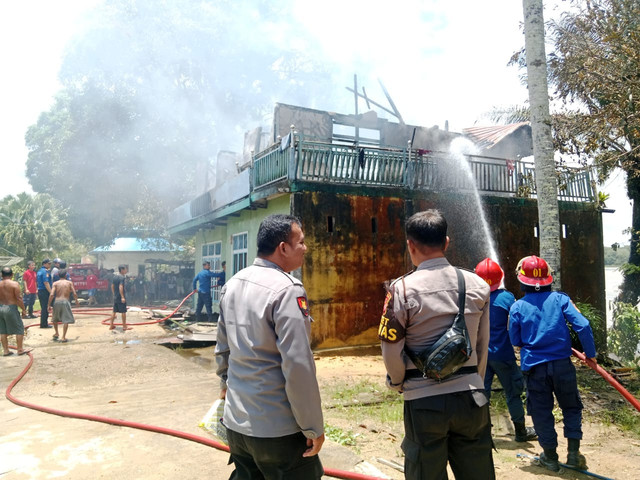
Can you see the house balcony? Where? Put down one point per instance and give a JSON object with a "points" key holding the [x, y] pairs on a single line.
{"points": [[298, 164]]}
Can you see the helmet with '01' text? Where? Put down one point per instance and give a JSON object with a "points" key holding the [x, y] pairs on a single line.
{"points": [[534, 271], [490, 272]]}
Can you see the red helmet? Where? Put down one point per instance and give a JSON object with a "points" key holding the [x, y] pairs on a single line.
{"points": [[534, 271], [490, 272]]}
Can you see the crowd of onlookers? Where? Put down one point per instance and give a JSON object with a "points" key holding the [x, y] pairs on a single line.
{"points": [[154, 286]]}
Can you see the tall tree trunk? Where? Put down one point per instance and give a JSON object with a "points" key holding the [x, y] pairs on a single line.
{"points": [[546, 182], [630, 291]]}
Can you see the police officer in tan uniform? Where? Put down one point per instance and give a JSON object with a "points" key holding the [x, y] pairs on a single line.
{"points": [[268, 377], [448, 420]]}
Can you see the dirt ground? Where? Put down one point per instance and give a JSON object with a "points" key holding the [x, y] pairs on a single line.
{"points": [[127, 376], [609, 451]]}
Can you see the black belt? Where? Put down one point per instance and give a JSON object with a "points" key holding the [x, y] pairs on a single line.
{"points": [[415, 373]]}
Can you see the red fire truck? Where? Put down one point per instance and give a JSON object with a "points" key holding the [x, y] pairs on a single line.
{"points": [[87, 276]]}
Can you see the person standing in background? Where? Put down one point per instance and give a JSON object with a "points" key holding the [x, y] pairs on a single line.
{"points": [[30, 288], [43, 281]]}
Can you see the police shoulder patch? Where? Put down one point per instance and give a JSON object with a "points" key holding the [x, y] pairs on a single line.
{"points": [[303, 304], [390, 329]]}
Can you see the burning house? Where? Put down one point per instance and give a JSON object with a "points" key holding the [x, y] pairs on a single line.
{"points": [[354, 179]]}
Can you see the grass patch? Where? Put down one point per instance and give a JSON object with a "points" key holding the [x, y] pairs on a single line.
{"points": [[368, 399], [340, 436], [364, 389]]}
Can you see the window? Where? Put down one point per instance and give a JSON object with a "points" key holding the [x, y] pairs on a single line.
{"points": [[211, 252], [239, 251]]}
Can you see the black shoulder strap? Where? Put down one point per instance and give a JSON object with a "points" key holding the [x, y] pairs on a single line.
{"points": [[458, 320], [462, 291]]}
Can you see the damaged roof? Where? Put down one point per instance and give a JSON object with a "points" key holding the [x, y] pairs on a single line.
{"points": [[487, 137]]}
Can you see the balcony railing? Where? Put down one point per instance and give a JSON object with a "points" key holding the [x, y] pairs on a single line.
{"points": [[311, 161]]}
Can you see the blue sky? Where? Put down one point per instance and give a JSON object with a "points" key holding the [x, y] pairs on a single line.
{"points": [[440, 61]]}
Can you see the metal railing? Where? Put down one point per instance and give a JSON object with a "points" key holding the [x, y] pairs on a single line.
{"points": [[312, 161]]}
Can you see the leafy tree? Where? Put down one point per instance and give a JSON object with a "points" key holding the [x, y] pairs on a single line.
{"points": [[33, 226], [546, 182], [595, 69], [152, 90], [625, 333], [616, 257]]}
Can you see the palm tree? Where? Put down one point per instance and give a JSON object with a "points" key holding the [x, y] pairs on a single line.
{"points": [[546, 183], [31, 225]]}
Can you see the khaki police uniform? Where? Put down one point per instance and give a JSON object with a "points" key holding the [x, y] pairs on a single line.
{"points": [[266, 364], [447, 420]]}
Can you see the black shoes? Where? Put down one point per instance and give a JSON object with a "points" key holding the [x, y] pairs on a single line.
{"points": [[549, 460], [524, 434], [577, 461]]}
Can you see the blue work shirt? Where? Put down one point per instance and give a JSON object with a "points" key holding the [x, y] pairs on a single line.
{"points": [[203, 280], [42, 276], [538, 325], [500, 348]]}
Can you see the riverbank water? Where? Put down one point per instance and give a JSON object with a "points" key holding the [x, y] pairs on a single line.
{"points": [[613, 281]]}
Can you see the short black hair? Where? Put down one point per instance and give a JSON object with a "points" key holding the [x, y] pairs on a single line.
{"points": [[7, 272], [224, 263], [206, 262], [62, 273], [273, 230], [428, 228], [121, 267]]}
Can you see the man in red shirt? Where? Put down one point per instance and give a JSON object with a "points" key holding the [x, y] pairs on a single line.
{"points": [[30, 288]]}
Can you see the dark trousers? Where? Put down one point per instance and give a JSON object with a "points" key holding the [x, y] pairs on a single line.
{"points": [[43, 296], [204, 299], [454, 427], [29, 299], [543, 381], [512, 382], [277, 458]]}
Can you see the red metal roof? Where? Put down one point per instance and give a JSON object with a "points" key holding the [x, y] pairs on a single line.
{"points": [[487, 137]]}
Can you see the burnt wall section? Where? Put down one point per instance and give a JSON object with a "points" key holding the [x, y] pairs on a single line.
{"points": [[357, 242]]}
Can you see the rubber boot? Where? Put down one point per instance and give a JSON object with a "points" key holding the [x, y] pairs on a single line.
{"points": [[524, 434], [549, 459], [574, 457]]}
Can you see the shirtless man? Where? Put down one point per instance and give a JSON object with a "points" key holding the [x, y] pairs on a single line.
{"points": [[10, 321], [61, 291]]}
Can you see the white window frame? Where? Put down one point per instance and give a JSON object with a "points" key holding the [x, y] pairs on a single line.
{"points": [[240, 250], [212, 253]]}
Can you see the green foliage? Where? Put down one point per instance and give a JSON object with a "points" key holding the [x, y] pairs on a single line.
{"points": [[594, 71], [616, 257], [33, 227], [630, 269], [598, 326], [339, 436], [624, 336]]}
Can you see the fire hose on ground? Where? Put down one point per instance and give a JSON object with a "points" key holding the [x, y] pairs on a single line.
{"points": [[331, 472], [609, 378]]}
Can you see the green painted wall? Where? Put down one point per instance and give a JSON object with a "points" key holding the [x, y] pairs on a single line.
{"points": [[247, 221]]}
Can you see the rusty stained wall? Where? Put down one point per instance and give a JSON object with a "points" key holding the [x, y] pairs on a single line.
{"points": [[344, 270]]}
